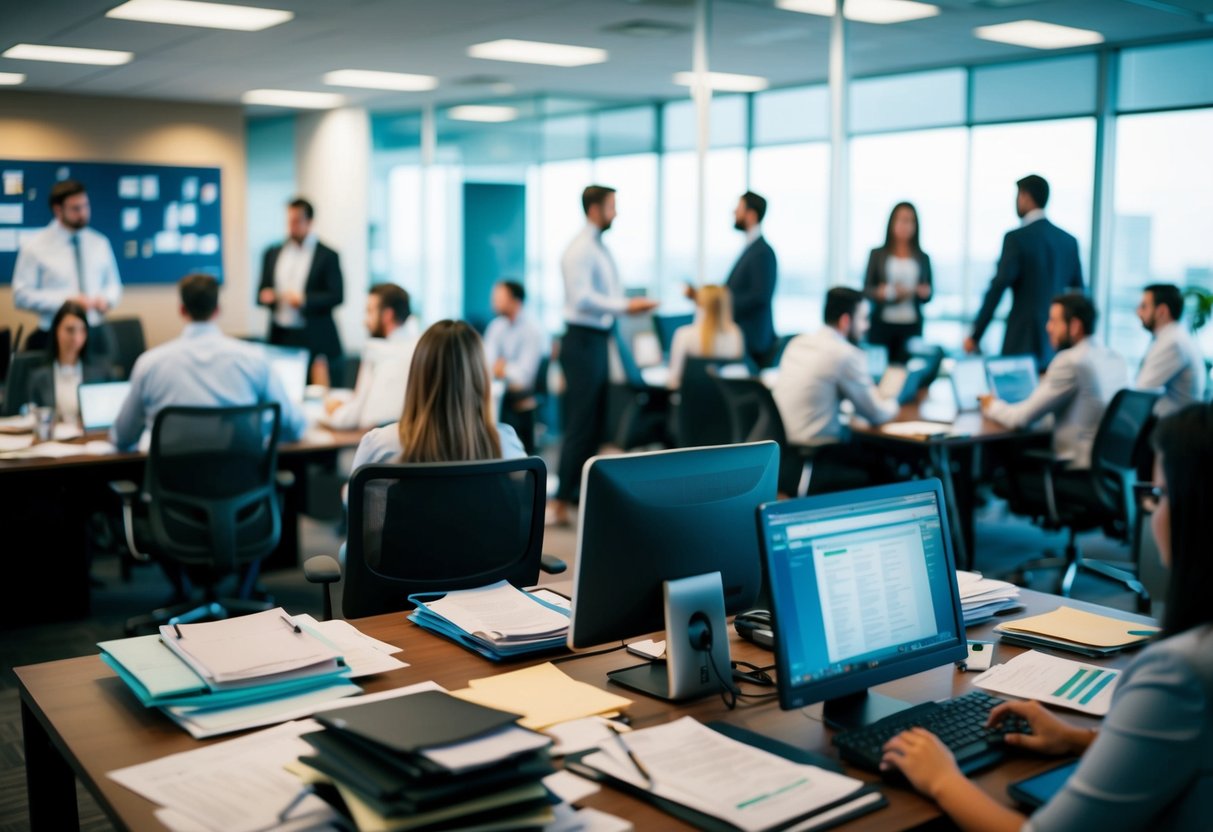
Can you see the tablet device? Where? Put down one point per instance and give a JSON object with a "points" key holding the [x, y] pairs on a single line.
{"points": [[1039, 789]]}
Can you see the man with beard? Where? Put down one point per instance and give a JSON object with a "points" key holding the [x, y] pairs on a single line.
{"points": [[1173, 361], [65, 261]]}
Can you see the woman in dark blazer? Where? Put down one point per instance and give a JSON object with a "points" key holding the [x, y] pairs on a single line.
{"points": [[54, 383], [898, 283]]}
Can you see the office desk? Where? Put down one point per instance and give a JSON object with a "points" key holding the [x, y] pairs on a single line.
{"points": [[45, 505], [80, 720]]}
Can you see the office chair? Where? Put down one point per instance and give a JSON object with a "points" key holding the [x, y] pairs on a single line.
{"points": [[637, 412], [1100, 497], [437, 527], [126, 344], [210, 506], [666, 325], [701, 415], [754, 417], [16, 385]]}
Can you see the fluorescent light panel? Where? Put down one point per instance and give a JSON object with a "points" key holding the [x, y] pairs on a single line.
{"points": [[1038, 34], [296, 99], [11, 79], [207, 15], [482, 112], [864, 11], [68, 55], [536, 52], [374, 80], [725, 81]]}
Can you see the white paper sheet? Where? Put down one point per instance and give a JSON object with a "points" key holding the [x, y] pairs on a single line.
{"points": [[363, 655], [499, 611], [569, 787], [1078, 686], [578, 735]]}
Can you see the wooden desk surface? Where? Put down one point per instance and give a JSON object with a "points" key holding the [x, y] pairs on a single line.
{"points": [[98, 726], [968, 428]]}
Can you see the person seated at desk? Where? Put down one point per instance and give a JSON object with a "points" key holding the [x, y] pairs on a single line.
{"points": [[1173, 361], [821, 369], [713, 334], [55, 383], [514, 345], [1150, 766], [201, 368], [384, 370], [1081, 379]]}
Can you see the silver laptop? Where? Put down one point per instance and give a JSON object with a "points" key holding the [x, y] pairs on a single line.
{"points": [[289, 364], [100, 403], [1012, 377]]}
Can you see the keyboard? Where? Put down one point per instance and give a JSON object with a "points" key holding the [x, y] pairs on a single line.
{"points": [[960, 723]]}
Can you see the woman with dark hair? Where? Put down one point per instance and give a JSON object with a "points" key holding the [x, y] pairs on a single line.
{"points": [[898, 283], [54, 384], [1150, 766]]}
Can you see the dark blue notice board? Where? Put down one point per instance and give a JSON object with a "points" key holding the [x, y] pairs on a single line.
{"points": [[162, 221]]}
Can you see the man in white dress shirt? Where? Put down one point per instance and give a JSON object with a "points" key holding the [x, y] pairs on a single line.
{"points": [[1174, 361], [65, 261], [514, 345], [593, 297], [384, 371], [819, 370]]}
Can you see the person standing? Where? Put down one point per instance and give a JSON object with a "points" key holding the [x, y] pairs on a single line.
{"points": [[898, 283], [301, 283], [1039, 261], [514, 345], [593, 298], [752, 281], [1173, 361], [67, 261]]}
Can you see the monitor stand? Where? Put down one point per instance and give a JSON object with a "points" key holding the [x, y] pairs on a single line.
{"points": [[849, 713], [696, 644]]}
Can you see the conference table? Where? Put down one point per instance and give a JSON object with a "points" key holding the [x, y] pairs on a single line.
{"points": [[80, 721]]}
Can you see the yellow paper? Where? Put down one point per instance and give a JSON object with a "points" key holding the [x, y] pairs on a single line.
{"points": [[1079, 627], [543, 694]]}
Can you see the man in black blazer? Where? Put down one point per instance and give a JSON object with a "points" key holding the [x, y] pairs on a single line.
{"points": [[1039, 261], [301, 282], [752, 281]]}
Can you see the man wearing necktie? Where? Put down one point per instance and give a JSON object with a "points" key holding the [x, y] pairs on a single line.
{"points": [[593, 297], [65, 261]]}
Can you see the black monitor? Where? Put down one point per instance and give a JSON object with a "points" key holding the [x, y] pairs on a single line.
{"points": [[649, 520], [863, 587]]}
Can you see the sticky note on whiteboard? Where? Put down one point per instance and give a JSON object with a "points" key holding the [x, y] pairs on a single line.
{"points": [[130, 219]]}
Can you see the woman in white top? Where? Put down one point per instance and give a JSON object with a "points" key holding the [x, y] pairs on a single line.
{"points": [[898, 283], [713, 334], [55, 383]]}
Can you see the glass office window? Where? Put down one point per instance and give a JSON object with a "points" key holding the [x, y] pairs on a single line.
{"points": [[926, 168], [904, 102], [1061, 151], [1163, 225], [625, 131], [795, 180], [567, 137], [728, 122], [1035, 89], [726, 182], [799, 114], [559, 218], [1174, 75], [633, 235]]}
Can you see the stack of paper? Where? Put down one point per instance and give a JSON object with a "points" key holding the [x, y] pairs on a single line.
{"points": [[429, 761], [983, 598], [1054, 681], [543, 694], [1086, 633], [498, 621]]}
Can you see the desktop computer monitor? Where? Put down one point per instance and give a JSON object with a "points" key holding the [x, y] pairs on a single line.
{"points": [[650, 520], [1012, 377], [863, 587]]}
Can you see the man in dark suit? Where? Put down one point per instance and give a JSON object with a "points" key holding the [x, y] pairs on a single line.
{"points": [[301, 282], [1039, 261], [752, 281]]}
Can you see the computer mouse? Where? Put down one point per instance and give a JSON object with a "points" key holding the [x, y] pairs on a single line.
{"points": [[755, 626]]}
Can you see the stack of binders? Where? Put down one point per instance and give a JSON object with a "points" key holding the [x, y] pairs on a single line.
{"points": [[429, 761], [498, 621]]}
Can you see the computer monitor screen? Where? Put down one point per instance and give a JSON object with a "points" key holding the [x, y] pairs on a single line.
{"points": [[1012, 377], [863, 588], [969, 382], [290, 366], [100, 403]]}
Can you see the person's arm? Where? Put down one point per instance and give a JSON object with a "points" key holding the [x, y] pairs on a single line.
{"points": [[29, 293], [265, 290], [511, 445], [331, 291], [578, 269], [925, 279], [1074, 283], [111, 283], [1056, 388], [856, 385], [132, 416], [1006, 277], [873, 281], [1163, 363]]}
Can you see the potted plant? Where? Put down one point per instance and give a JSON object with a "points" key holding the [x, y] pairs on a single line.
{"points": [[1200, 301]]}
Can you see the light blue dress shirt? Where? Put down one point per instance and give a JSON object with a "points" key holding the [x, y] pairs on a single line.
{"points": [[522, 343], [202, 368], [592, 293], [46, 274]]}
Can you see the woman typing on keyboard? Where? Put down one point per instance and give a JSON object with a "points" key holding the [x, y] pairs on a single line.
{"points": [[1151, 764]]}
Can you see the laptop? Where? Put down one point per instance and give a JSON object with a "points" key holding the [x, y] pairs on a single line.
{"points": [[903, 382], [878, 360], [100, 403], [289, 364], [969, 382], [1012, 378]]}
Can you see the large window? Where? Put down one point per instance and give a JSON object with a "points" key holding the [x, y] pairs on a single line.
{"points": [[633, 237], [558, 217], [726, 182]]}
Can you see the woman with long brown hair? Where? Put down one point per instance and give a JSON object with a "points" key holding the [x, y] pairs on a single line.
{"points": [[899, 283], [713, 334]]}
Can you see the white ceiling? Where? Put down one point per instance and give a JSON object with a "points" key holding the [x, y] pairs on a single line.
{"points": [[428, 36]]}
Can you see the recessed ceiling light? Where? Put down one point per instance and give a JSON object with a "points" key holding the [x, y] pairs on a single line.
{"points": [[725, 81], [193, 13], [864, 11], [1038, 35], [535, 52], [375, 80], [68, 55], [482, 112], [11, 79], [294, 98]]}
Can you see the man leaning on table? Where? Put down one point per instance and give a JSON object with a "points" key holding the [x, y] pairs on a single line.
{"points": [[200, 368]]}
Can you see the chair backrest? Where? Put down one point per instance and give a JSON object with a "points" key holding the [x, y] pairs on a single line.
{"points": [[211, 484], [702, 416], [127, 343], [7, 347], [631, 370], [438, 527], [16, 385], [753, 414], [666, 325], [541, 376], [1120, 441]]}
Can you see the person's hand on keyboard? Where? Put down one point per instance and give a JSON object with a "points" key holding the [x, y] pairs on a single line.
{"points": [[923, 759], [1049, 734]]}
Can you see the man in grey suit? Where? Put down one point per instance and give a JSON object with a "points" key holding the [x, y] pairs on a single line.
{"points": [[752, 281], [1039, 261]]}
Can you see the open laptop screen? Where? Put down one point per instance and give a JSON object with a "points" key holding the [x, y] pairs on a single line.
{"points": [[1013, 377], [100, 403]]}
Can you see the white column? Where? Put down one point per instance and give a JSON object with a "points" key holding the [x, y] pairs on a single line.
{"points": [[429, 150], [333, 163], [701, 92], [839, 163]]}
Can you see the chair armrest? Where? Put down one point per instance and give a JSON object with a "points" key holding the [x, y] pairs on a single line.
{"points": [[322, 569], [126, 490], [552, 564], [284, 480]]}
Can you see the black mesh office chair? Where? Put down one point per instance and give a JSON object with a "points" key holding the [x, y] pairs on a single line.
{"points": [[666, 325], [754, 417], [1100, 497], [126, 344], [637, 412], [701, 415], [209, 507], [16, 385], [438, 527]]}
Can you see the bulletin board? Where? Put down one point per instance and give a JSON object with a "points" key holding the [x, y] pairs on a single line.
{"points": [[163, 222]]}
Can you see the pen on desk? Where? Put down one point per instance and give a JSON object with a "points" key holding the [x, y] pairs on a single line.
{"points": [[292, 624], [644, 772], [177, 629], [295, 801]]}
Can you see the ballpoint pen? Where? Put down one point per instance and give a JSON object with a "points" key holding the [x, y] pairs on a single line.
{"points": [[644, 772]]}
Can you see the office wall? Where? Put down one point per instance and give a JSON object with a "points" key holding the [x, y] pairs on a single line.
{"points": [[98, 129]]}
